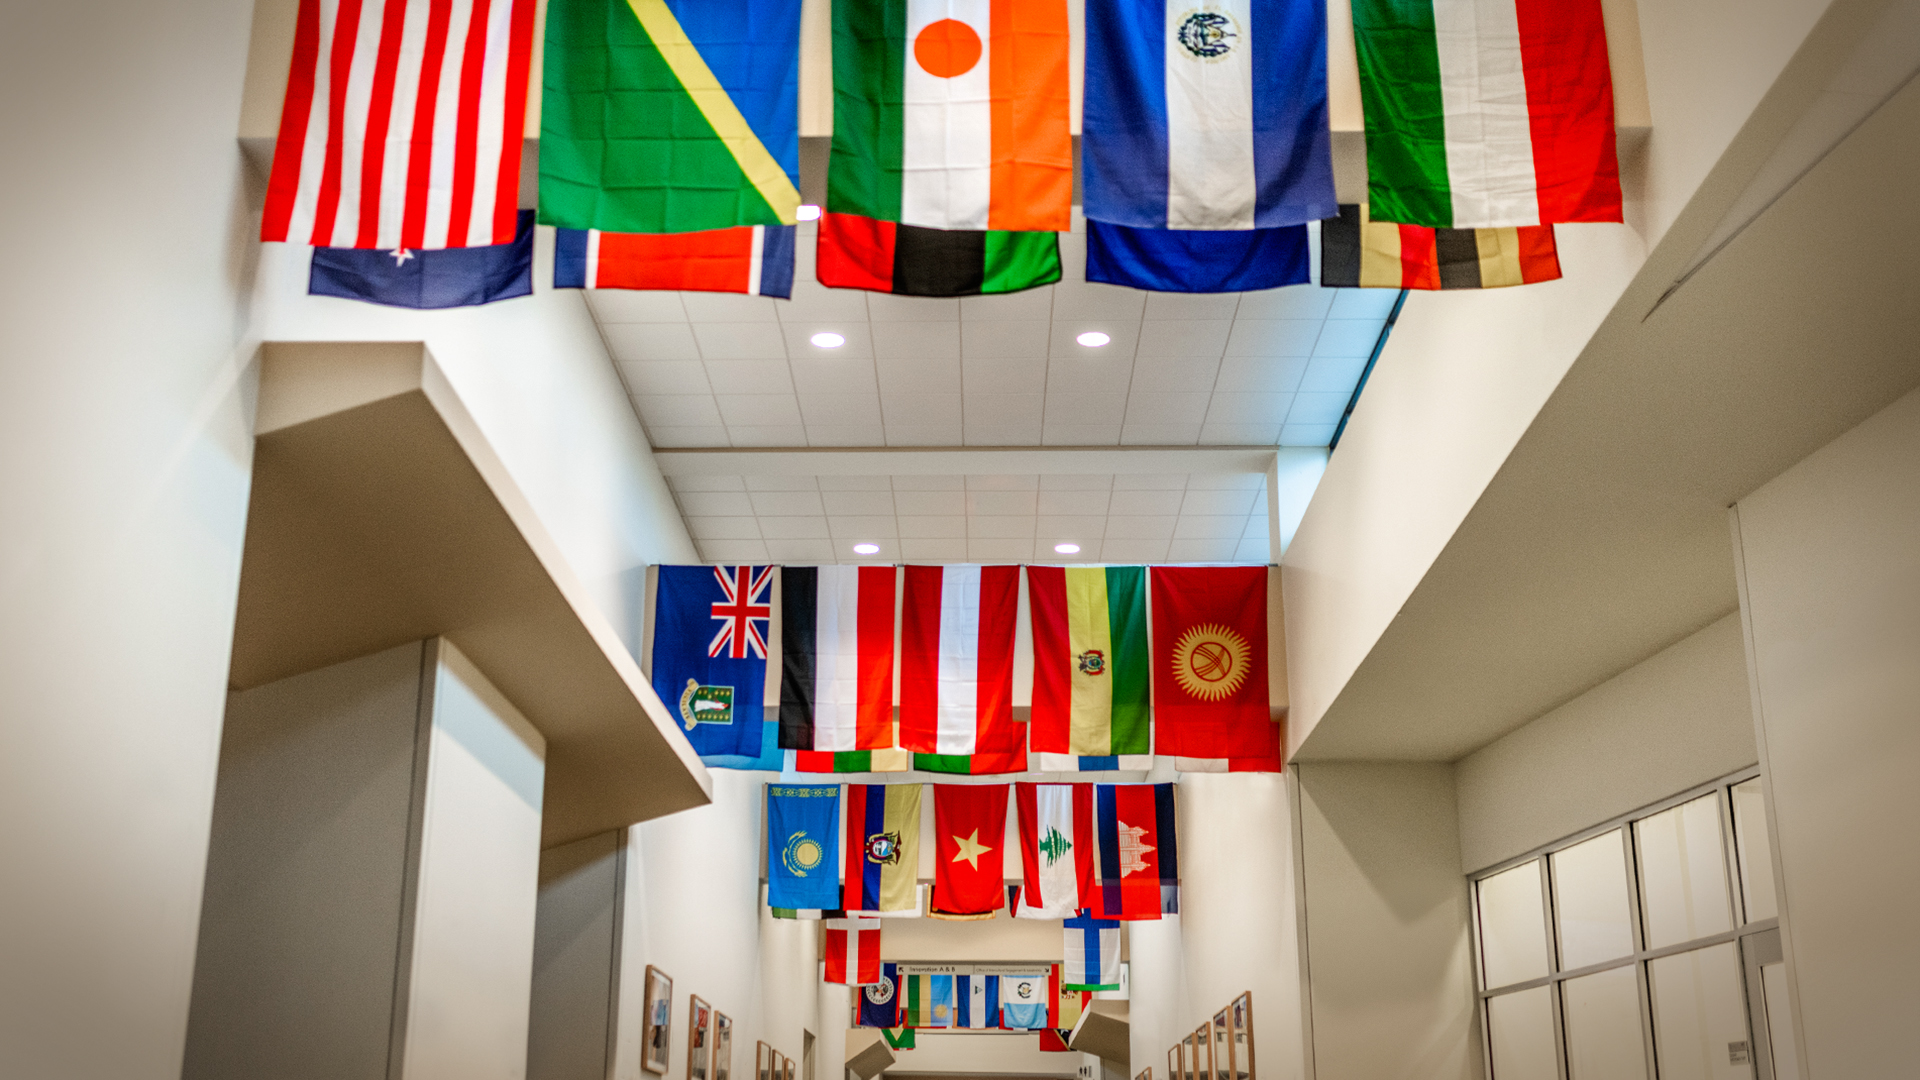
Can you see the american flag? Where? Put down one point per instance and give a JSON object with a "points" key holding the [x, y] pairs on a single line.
{"points": [[742, 611], [402, 124]]}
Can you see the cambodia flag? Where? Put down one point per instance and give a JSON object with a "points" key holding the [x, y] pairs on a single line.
{"points": [[1139, 864]]}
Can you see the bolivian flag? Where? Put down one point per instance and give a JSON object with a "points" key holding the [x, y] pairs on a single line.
{"points": [[1358, 251], [1090, 660], [662, 116]]}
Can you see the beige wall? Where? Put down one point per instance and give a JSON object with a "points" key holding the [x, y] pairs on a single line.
{"points": [[1676, 719], [1831, 599], [1386, 914]]}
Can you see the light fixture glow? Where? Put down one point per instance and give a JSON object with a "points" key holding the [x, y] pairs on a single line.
{"points": [[866, 549], [1093, 339], [1067, 549], [807, 212], [827, 339]]}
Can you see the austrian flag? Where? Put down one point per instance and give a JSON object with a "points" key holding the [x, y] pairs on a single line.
{"points": [[956, 665]]}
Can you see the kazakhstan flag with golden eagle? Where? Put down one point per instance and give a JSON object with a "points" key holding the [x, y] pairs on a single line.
{"points": [[803, 857], [664, 116]]}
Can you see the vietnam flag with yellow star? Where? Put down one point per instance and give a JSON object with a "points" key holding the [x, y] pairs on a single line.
{"points": [[969, 829], [1210, 662]]}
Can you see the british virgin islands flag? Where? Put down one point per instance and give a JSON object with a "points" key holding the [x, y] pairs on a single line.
{"points": [[710, 630], [663, 116], [1206, 114]]}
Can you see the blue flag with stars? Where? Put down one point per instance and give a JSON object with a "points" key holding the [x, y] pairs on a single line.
{"points": [[803, 857], [445, 278], [710, 628]]}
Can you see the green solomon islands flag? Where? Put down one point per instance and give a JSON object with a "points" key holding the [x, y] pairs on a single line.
{"points": [[662, 116]]}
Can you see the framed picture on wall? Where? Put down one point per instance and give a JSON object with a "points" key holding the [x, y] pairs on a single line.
{"points": [[1203, 1051], [699, 1038], [722, 1046], [1145, 1074], [1222, 1047], [1190, 1056], [658, 1026], [1241, 1019], [1176, 1068], [762, 1062], [786, 1068]]}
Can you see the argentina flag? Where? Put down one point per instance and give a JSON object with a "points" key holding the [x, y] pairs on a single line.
{"points": [[1206, 114]]}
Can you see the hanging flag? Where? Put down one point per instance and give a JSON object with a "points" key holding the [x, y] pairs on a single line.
{"points": [[853, 951], [442, 278], [880, 1000], [1057, 857], [402, 124], [1089, 660], [1092, 956], [1206, 116], [956, 664], [1009, 756], [977, 999], [1486, 115], [1357, 251], [1195, 260], [663, 116], [952, 114], [836, 671], [770, 758], [1210, 649], [1054, 1040], [929, 1000], [710, 630], [846, 761], [1024, 1000], [1092, 763], [752, 259], [1139, 863], [969, 827], [898, 1038], [883, 847], [803, 855], [1067, 1004], [867, 253]]}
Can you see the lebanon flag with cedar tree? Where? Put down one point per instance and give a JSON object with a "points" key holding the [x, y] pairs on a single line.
{"points": [[1210, 662], [969, 828]]}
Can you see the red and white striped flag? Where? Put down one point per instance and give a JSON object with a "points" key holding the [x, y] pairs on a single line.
{"points": [[853, 951], [402, 124], [956, 658]]}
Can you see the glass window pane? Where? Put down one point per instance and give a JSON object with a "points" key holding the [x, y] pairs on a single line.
{"points": [[1520, 1028], [1603, 1026], [1786, 1060], [1755, 852], [1513, 926], [1683, 873], [1590, 902], [1700, 1015]]}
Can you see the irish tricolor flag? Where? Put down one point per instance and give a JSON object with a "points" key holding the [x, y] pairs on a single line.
{"points": [[952, 114], [1089, 660], [1487, 113]]}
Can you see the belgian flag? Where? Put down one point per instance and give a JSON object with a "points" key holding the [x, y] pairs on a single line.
{"points": [[1358, 251]]}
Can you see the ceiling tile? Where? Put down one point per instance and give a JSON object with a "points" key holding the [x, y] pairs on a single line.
{"points": [[1207, 527], [1084, 528], [787, 503], [1254, 549], [1154, 374], [1112, 373], [886, 307], [929, 483], [1167, 408], [1086, 408], [794, 528], [841, 409], [1273, 337], [1306, 434], [1292, 302], [650, 341], [925, 526], [1123, 335], [1206, 501], [1127, 550], [724, 528], [1256, 525], [868, 434], [1097, 302], [1336, 374], [834, 377], [858, 502], [1191, 305], [1183, 337], [1254, 482], [715, 503], [1077, 482], [708, 483], [862, 526], [1140, 527], [747, 551], [1031, 304], [919, 376], [988, 525], [1218, 434], [783, 483], [1003, 419], [1002, 339], [1003, 482], [665, 377], [740, 340], [1374, 304], [947, 550], [916, 340], [1249, 408], [1201, 550], [998, 550], [927, 502], [1150, 482], [678, 410], [1317, 408], [1075, 502], [1133, 503], [913, 409], [749, 377], [758, 410], [800, 551], [669, 438], [1143, 434], [999, 376], [1052, 434], [1347, 337], [813, 302], [799, 337], [635, 306], [945, 431], [729, 308], [1266, 374], [1001, 502], [856, 483]]}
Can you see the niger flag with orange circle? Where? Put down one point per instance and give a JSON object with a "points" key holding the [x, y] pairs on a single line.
{"points": [[1210, 662]]}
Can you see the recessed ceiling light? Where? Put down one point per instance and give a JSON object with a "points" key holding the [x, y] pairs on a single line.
{"points": [[827, 339], [1067, 549], [807, 212], [1093, 339], [866, 549]]}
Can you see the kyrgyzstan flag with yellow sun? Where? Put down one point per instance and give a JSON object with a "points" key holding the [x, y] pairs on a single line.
{"points": [[1210, 662]]}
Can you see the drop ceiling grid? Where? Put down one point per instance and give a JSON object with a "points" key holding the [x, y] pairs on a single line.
{"points": [[719, 370], [1125, 518]]}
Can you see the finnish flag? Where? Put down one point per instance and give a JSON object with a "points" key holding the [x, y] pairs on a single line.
{"points": [[1206, 114]]}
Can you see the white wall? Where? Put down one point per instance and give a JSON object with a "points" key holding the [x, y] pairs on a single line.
{"points": [[1831, 599], [124, 464], [1679, 718], [1464, 373]]}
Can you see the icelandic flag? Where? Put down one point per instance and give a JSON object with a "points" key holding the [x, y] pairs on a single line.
{"points": [[752, 259], [978, 999], [1023, 1001], [710, 629], [1206, 116], [803, 855], [880, 1001], [440, 278], [1092, 954], [1197, 260]]}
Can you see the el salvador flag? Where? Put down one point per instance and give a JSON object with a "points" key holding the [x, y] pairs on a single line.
{"points": [[1196, 261], [1206, 115]]}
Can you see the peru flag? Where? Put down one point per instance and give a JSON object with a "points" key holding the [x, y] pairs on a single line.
{"points": [[956, 659], [836, 671], [853, 951]]}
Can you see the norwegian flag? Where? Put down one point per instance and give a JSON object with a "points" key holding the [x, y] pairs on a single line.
{"points": [[402, 124], [745, 614]]}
